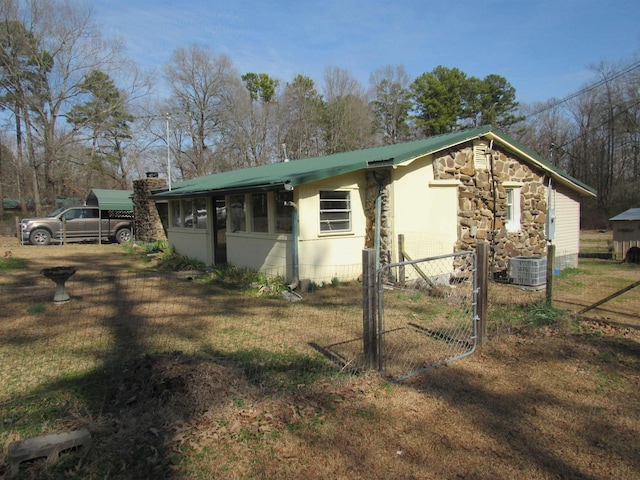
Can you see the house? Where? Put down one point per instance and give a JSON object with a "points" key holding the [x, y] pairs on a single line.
{"points": [[311, 218], [626, 233]]}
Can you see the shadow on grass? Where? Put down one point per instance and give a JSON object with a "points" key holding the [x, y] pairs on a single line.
{"points": [[133, 400], [527, 418]]}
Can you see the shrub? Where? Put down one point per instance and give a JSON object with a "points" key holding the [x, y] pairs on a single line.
{"points": [[539, 314], [233, 276]]}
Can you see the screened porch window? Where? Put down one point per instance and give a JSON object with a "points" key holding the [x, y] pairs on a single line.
{"points": [[284, 211], [201, 212], [176, 219], [259, 212], [238, 218], [335, 211]]}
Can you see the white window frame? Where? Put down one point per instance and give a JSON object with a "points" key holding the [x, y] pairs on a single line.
{"points": [[338, 198], [513, 216]]}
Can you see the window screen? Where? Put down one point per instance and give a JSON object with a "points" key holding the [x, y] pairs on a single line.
{"points": [[335, 211]]}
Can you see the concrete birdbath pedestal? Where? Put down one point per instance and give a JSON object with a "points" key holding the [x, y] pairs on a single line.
{"points": [[59, 275]]}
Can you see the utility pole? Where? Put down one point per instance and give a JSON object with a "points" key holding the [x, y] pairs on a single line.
{"points": [[168, 154]]}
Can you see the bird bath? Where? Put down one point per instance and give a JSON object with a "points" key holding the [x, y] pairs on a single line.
{"points": [[59, 275]]}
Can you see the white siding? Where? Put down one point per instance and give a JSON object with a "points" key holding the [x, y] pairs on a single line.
{"points": [[567, 235]]}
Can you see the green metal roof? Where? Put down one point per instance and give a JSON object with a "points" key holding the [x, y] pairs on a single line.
{"points": [[111, 199], [298, 172]]}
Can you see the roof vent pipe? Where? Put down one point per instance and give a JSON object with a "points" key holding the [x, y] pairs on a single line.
{"points": [[284, 151]]}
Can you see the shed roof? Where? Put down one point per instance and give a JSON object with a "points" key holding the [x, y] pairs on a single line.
{"points": [[631, 214], [286, 175], [111, 199]]}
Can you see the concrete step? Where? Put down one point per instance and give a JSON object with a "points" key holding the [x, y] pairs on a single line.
{"points": [[49, 446]]}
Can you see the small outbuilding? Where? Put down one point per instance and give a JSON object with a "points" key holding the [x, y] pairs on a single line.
{"points": [[626, 232]]}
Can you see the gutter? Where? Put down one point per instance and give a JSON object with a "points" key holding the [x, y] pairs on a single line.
{"points": [[265, 187]]}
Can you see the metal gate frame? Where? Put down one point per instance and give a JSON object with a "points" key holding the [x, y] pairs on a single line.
{"points": [[473, 338]]}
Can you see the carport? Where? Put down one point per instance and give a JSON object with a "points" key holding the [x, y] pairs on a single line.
{"points": [[111, 204]]}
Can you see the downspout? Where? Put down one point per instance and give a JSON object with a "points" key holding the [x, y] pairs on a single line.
{"points": [[377, 241], [494, 195], [378, 221], [294, 246]]}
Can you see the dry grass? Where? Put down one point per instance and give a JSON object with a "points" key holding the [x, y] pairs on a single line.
{"points": [[596, 241], [549, 402]]}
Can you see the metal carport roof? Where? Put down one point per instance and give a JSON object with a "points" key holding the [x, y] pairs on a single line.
{"points": [[111, 199]]}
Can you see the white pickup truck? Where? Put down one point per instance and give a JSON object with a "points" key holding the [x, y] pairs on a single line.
{"points": [[81, 223]]}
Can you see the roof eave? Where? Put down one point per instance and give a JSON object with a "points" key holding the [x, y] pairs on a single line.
{"points": [[266, 187], [555, 175]]}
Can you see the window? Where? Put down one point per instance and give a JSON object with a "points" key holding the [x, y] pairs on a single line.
{"points": [[73, 214], [201, 212], [238, 219], [259, 212], [512, 209], [188, 213], [284, 211], [176, 220], [90, 213], [335, 211]]}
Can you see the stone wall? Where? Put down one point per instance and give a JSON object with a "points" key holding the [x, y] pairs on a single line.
{"points": [[482, 204], [147, 224]]}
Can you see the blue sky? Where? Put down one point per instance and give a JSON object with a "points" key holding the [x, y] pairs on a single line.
{"points": [[543, 48]]}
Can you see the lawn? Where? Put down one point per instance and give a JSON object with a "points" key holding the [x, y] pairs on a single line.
{"points": [[544, 399], [596, 241]]}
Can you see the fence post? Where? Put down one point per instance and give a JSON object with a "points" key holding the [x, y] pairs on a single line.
{"points": [[369, 307], [551, 267], [401, 258], [482, 278]]}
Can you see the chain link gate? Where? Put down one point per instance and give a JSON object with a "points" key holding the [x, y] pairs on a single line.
{"points": [[427, 313]]}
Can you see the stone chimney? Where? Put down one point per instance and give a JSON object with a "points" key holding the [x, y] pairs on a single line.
{"points": [[147, 222]]}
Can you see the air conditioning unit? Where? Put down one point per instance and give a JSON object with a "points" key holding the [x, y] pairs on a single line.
{"points": [[528, 271]]}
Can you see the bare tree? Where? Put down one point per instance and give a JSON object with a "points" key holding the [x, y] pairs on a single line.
{"points": [[348, 120], [300, 120], [250, 123], [391, 102], [67, 45], [200, 82]]}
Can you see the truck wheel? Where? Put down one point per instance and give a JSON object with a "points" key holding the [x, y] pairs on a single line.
{"points": [[123, 235], [40, 236]]}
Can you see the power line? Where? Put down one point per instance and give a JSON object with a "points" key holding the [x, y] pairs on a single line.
{"points": [[593, 86], [600, 125]]}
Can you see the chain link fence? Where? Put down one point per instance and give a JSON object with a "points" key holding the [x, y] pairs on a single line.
{"points": [[114, 320], [600, 290], [427, 313]]}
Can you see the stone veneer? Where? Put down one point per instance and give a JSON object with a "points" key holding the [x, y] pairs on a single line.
{"points": [[379, 181], [481, 204], [147, 224]]}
